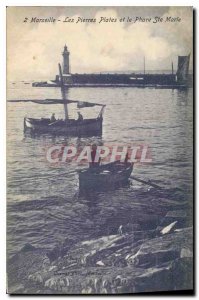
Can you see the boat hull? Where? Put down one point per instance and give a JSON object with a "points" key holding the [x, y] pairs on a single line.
{"points": [[108, 176], [87, 127]]}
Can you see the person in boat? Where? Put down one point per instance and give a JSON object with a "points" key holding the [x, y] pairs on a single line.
{"points": [[80, 117], [93, 163], [53, 119]]}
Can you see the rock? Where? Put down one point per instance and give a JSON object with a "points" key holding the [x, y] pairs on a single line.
{"points": [[25, 264], [100, 263], [186, 253], [182, 273], [16, 289], [175, 275], [60, 250], [134, 262], [176, 214], [184, 218], [28, 247], [168, 228]]}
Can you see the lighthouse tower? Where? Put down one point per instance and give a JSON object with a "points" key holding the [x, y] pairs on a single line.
{"points": [[65, 54]]}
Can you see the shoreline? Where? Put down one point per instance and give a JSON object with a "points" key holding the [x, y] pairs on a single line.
{"points": [[156, 86]]}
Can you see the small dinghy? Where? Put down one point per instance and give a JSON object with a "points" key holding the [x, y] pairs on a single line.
{"points": [[105, 176]]}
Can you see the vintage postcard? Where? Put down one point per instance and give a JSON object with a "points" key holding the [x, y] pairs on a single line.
{"points": [[99, 150]]}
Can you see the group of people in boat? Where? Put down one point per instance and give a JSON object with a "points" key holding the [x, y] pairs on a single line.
{"points": [[53, 119]]}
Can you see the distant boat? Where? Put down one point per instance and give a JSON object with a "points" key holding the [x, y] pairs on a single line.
{"points": [[105, 176]]}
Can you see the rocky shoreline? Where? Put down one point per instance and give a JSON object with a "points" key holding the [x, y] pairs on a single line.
{"points": [[132, 261]]}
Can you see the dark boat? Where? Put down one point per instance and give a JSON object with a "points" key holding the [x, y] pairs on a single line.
{"points": [[67, 127], [70, 127], [105, 176]]}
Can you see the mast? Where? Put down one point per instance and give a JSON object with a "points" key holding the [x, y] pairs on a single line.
{"points": [[63, 92], [172, 67], [144, 65]]}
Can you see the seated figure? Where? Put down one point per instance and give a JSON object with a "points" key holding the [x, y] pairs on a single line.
{"points": [[53, 119], [80, 117]]}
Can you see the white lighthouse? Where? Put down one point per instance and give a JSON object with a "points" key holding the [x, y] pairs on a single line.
{"points": [[65, 55]]}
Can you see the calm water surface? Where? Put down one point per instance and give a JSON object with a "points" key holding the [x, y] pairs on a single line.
{"points": [[44, 207]]}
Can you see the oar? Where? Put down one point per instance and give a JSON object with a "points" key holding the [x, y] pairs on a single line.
{"points": [[145, 182]]}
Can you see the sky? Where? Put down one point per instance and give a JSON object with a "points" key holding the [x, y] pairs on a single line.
{"points": [[34, 49]]}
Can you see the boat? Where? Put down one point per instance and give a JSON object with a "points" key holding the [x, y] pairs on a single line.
{"points": [[105, 176], [67, 126]]}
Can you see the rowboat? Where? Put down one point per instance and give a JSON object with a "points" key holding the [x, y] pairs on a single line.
{"points": [[105, 176], [66, 126]]}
